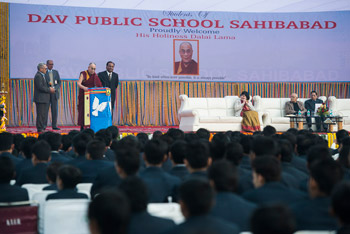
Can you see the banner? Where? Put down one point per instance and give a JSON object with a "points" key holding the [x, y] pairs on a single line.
{"points": [[182, 45]]}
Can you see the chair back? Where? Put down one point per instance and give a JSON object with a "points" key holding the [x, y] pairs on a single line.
{"points": [[166, 210], [67, 216], [18, 219], [84, 188], [40, 198], [33, 188]]}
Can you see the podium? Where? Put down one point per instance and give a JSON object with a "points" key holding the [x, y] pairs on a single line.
{"points": [[98, 108]]}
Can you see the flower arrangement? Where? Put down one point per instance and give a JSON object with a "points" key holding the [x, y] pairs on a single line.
{"points": [[323, 110], [3, 112]]}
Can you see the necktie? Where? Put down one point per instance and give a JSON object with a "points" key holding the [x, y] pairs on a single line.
{"points": [[110, 76]]}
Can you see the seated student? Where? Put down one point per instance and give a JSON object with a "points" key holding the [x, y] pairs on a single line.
{"points": [[109, 212], [274, 219], [229, 206], [106, 136], [80, 142], [55, 141], [313, 214], [40, 157], [234, 154], [26, 151], [246, 142], [177, 155], [94, 153], [7, 146], [141, 221], [262, 146], [198, 159], [196, 200], [51, 175], [340, 207], [268, 188], [160, 184], [67, 179], [10, 193], [341, 135], [203, 133], [127, 163], [269, 131]]}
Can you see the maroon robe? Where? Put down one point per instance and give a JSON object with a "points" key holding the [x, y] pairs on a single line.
{"points": [[191, 69], [93, 81]]}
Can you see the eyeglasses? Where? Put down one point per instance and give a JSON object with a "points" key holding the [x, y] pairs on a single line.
{"points": [[50, 64]]}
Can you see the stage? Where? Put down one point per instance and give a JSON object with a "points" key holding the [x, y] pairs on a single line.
{"points": [[31, 130]]}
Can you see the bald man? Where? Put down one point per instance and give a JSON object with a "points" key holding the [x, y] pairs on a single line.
{"points": [[293, 106], [187, 66]]}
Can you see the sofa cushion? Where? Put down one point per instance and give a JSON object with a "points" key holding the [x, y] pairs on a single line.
{"points": [[346, 121], [209, 119], [280, 120], [230, 119]]}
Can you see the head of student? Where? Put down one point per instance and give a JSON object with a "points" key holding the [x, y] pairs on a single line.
{"points": [[341, 203], [196, 197], [109, 212], [110, 66], [41, 152], [68, 177], [186, 52]]}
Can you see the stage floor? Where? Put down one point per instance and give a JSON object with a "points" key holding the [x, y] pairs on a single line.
{"points": [[66, 129]]}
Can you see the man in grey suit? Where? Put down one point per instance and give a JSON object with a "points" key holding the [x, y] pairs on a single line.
{"points": [[53, 79], [110, 79], [41, 97]]}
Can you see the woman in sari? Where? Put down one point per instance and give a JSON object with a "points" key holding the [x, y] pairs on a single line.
{"points": [[244, 108]]}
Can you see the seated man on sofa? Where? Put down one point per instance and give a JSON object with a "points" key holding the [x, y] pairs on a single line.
{"points": [[310, 106], [293, 106]]}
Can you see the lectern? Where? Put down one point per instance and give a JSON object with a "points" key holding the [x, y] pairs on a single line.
{"points": [[98, 108]]}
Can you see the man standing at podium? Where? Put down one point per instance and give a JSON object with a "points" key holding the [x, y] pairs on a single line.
{"points": [[53, 79], [110, 79]]}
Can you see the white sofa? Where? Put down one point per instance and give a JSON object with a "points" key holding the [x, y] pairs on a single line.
{"points": [[213, 114], [272, 111], [340, 107]]}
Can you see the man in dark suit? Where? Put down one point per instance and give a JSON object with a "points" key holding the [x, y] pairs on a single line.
{"points": [[42, 93], [196, 200], [54, 80], [37, 174], [310, 105], [141, 221], [67, 179], [110, 79], [10, 193]]}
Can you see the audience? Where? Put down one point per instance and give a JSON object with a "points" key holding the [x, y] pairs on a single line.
{"points": [[94, 154], [160, 184], [10, 193], [41, 152], [198, 159], [340, 206], [26, 151], [51, 175], [313, 213], [272, 219], [67, 179], [177, 154], [229, 206], [196, 198], [266, 180], [106, 136], [109, 212], [7, 146], [141, 221]]}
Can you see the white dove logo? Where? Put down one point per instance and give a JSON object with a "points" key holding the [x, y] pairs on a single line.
{"points": [[96, 107]]}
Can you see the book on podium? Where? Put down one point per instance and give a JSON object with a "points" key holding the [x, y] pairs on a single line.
{"points": [[98, 108]]}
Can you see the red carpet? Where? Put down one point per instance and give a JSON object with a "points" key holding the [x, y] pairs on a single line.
{"points": [[66, 129]]}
